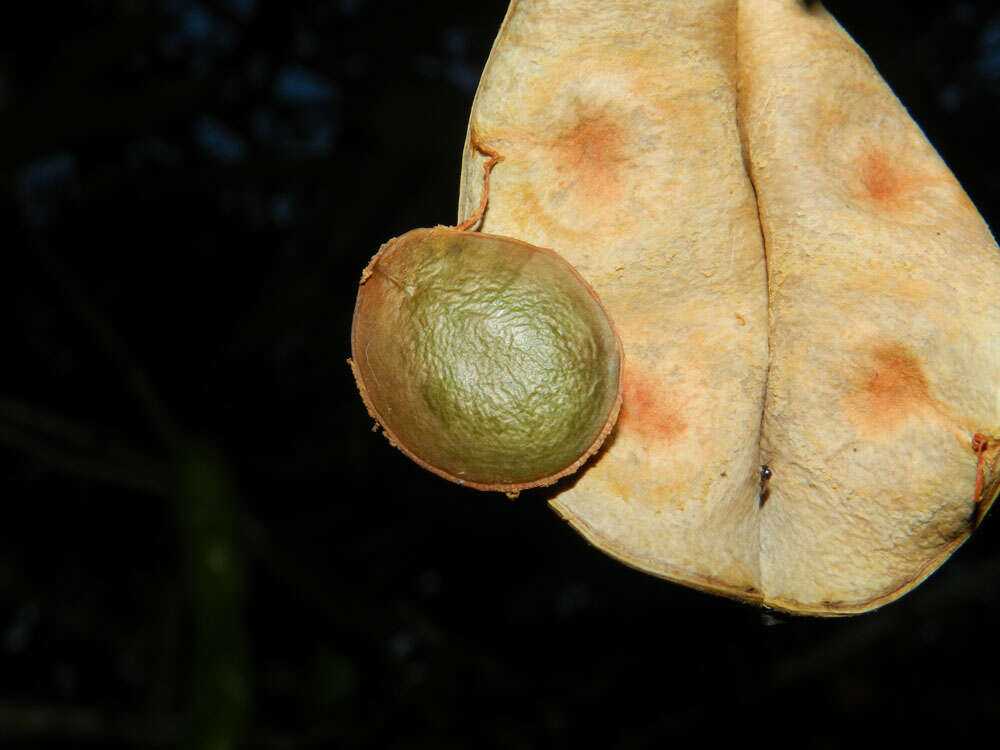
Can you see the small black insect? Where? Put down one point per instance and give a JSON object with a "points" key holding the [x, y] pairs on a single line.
{"points": [[765, 474]]}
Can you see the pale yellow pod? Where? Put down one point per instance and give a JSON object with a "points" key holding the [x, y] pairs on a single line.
{"points": [[797, 278], [885, 329], [617, 123]]}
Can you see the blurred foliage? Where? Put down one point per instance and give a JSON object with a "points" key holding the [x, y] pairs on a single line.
{"points": [[203, 542]]}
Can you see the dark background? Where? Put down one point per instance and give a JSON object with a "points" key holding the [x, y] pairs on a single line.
{"points": [[202, 542]]}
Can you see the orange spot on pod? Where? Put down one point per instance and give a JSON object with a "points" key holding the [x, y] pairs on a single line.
{"points": [[887, 181], [889, 386], [591, 154], [649, 408], [879, 176], [896, 378]]}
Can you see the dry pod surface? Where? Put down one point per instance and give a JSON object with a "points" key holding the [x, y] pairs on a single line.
{"points": [[798, 280], [487, 360]]}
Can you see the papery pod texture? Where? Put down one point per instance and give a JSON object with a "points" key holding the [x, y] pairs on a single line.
{"points": [[798, 280]]}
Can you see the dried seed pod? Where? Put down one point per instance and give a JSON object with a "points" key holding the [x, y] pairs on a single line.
{"points": [[798, 279], [487, 360]]}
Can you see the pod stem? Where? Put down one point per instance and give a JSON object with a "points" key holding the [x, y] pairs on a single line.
{"points": [[494, 159]]}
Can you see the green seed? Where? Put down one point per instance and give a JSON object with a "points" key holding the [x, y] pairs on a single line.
{"points": [[489, 361]]}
